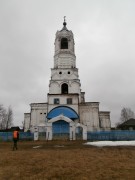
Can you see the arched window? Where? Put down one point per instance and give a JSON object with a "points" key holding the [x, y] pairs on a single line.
{"points": [[64, 43], [64, 89]]}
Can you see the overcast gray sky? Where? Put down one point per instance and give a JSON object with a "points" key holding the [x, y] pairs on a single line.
{"points": [[104, 33]]}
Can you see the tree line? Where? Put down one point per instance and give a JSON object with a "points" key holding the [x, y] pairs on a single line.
{"points": [[126, 114], [6, 117]]}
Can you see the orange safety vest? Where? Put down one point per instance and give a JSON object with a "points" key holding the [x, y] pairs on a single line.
{"points": [[15, 134]]}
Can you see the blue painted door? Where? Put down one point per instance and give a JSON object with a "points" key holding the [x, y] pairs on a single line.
{"points": [[60, 130]]}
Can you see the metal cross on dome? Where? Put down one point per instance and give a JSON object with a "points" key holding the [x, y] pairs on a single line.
{"points": [[64, 18]]}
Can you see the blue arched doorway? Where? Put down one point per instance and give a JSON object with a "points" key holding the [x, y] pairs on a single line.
{"points": [[60, 129]]}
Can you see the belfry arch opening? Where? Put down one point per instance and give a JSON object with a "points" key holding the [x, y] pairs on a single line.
{"points": [[64, 89], [64, 43]]}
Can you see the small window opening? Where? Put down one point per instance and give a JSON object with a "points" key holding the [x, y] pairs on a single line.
{"points": [[64, 88], [60, 72], [68, 72], [56, 101], [64, 43], [69, 100]]}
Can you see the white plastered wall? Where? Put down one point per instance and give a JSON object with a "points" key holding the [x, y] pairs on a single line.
{"points": [[26, 122], [89, 115], [105, 120], [38, 114], [63, 101]]}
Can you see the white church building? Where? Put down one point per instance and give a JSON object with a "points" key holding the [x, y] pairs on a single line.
{"points": [[66, 113]]}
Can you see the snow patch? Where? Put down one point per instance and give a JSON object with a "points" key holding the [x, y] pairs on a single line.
{"points": [[35, 147], [111, 143]]}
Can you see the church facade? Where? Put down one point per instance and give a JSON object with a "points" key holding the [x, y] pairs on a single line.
{"points": [[66, 113]]}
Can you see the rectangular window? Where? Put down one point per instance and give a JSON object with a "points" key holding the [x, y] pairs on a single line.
{"points": [[56, 101], [69, 100]]}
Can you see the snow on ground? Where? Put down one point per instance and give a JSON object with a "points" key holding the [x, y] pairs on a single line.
{"points": [[35, 147], [111, 143]]}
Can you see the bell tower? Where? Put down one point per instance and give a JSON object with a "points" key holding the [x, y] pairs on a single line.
{"points": [[64, 56], [64, 86]]}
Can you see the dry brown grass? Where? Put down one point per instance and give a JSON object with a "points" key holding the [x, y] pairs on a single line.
{"points": [[66, 160]]}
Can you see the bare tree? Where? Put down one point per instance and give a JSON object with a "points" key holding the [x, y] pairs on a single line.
{"points": [[3, 117], [126, 114], [6, 117], [9, 121]]}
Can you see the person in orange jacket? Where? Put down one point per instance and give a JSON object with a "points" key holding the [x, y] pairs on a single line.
{"points": [[15, 138]]}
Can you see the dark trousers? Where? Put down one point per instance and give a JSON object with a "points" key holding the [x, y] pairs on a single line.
{"points": [[15, 144]]}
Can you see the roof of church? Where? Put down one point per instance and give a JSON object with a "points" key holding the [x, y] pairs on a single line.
{"points": [[64, 110]]}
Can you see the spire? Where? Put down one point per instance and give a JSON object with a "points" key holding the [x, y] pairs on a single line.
{"points": [[64, 24]]}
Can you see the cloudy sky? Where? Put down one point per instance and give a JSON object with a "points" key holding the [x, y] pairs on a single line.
{"points": [[104, 32]]}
